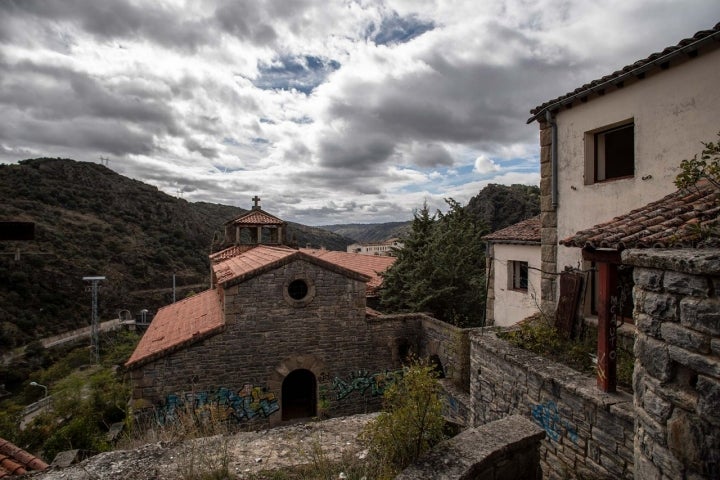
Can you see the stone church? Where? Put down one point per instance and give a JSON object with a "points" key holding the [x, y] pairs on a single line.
{"points": [[282, 333]]}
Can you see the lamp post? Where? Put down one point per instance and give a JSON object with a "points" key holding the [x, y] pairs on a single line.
{"points": [[35, 384]]}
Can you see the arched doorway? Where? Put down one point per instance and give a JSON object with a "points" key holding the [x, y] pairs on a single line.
{"points": [[299, 395]]}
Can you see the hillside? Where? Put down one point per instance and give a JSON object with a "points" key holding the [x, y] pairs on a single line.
{"points": [[499, 206], [370, 232], [89, 220]]}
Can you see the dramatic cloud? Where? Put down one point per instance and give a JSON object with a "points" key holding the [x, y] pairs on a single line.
{"points": [[332, 112]]}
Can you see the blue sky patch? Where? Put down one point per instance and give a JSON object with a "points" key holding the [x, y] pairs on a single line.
{"points": [[396, 29], [302, 73]]}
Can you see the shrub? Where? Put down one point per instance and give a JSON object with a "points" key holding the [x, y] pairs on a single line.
{"points": [[411, 422]]}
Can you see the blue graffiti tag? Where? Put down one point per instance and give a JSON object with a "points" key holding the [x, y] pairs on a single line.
{"points": [[247, 403], [361, 381], [547, 416]]}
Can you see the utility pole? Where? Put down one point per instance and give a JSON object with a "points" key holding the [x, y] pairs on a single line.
{"points": [[94, 330]]}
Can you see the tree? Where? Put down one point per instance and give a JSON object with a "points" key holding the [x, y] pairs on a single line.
{"points": [[411, 421], [706, 167], [441, 268], [410, 268]]}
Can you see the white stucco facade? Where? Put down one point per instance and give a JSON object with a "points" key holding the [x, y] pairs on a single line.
{"points": [[672, 110], [512, 305]]}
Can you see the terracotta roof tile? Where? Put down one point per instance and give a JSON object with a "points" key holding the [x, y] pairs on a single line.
{"points": [[179, 324], [16, 461], [665, 223], [654, 61], [251, 262], [368, 265], [527, 231], [256, 217]]}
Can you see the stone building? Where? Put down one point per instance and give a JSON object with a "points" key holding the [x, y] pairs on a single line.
{"points": [[279, 333]]}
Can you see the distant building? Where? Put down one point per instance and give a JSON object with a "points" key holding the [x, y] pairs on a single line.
{"points": [[386, 248]]}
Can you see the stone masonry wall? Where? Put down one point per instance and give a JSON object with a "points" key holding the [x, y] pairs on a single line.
{"points": [[548, 221], [677, 368], [266, 337], [589, 433]]}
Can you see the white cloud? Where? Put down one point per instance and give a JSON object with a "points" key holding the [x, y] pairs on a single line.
{"points": [[484, 165], [394, 102]]}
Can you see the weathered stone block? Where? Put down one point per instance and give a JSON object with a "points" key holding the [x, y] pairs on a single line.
{"points": [[545, 136], [548, 235], [545, 154], [685, 441], [645, 468], [656, 406], [702, 315], [685, 338], [648, 278], [708, 404], [694, 361], [654, 356], [686, 284], [548, 253], [662, 306], [648, 324]]}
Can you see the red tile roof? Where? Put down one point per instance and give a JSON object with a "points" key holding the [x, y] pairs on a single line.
{"points": [[669, 222], [251, 262], [200, 316], [659, 60], [179, 324], [16, 461], [525, 232], [256, 217], [368, 265]]}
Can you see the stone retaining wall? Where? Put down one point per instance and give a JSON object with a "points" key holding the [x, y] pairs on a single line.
{"points": [[589, 433], [677, 368], [506, 449]]}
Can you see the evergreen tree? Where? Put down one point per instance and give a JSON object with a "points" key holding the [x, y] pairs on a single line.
{"points": [[441, 268]]}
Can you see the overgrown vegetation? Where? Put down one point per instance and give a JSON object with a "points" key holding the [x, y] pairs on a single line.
{"points": [[539, 335], [440, 269], [411, 421], [86, 400], [706, 167]]}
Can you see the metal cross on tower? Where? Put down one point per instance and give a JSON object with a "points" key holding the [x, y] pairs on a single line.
{"points": [[94, 333], [256, 199]]}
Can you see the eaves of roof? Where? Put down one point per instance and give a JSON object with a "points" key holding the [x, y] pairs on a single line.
{"points": [[676, 220], [526, 232], [656, 61], [178, 325]]}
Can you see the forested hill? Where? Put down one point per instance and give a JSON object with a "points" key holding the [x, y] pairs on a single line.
{"points": [[498, 206], [371, 232], [89, 220]]}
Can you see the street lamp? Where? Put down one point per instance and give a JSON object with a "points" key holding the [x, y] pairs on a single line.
{"points": [[35, 384]]}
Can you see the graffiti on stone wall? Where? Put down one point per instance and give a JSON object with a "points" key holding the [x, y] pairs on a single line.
{"points": [[547, 416], [362, 381], [246, 404]]}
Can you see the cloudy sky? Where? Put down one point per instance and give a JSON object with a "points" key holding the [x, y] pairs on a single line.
{"points": [[331, 111]]}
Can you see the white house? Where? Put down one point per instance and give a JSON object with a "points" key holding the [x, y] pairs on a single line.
{"points": [[615, 144], [386, 248], [513, 273]]}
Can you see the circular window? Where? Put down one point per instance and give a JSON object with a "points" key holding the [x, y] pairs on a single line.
{"points": [[297, 289]]}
